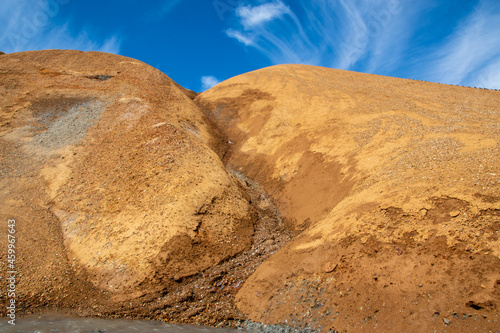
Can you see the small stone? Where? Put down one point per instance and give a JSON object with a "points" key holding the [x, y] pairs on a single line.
{"points": [[329, 267], [455, 213], [446, 321]]}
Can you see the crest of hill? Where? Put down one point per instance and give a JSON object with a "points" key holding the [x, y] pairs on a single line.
{"points": [[391, 185]]}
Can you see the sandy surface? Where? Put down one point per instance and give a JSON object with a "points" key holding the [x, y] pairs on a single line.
{"points": [[122, 204], [293, 195], [391, 187]]}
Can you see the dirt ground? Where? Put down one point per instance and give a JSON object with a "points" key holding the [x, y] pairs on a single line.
{"points": [[122, 204], [390, 187], [293, 195]]}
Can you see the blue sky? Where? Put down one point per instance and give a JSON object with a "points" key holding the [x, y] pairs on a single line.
{"points": [[200, 43]]}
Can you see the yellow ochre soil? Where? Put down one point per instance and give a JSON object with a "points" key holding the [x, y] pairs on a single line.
{"points": [[295, 195]]}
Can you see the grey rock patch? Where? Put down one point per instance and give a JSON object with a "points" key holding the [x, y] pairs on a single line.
{"points": [[67, 129], [258, 327]]}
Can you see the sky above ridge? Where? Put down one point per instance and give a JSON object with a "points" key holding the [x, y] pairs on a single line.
{"points": [[200, 43]]}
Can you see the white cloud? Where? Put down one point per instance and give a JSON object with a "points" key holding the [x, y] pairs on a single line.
{"points": [[489, 77], [329, 33], [258, 15], [208, 82], [376, 36], [27, 25], [256, 28], [471, 55], [240, 37], [110, 45]]}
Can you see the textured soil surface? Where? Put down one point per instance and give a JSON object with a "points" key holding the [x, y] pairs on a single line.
{"points": [[390, 188], [294, 195], [122, 204]]}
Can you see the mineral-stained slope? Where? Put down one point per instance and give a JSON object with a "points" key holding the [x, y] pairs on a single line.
{"points": [[113, 177], [135, 197], [391, 187]]}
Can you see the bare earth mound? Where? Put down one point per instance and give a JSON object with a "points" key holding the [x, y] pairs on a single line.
{"points": [[391, 187], [113, 177], [134, 197]]}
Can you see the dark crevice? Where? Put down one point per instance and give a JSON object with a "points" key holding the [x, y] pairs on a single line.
{"points": [[100, 77]]}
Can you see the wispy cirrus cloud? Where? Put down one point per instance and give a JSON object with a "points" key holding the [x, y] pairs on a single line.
{"points": [[240, 37], [269, 28], [488, 77], [258, 15], [340, 34], [208, 82], [375, 36], [471, 54], [27, 25]]}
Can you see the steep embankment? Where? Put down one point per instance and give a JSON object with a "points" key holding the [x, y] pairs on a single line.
{"points": [[391, 186], [113, 177]]}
